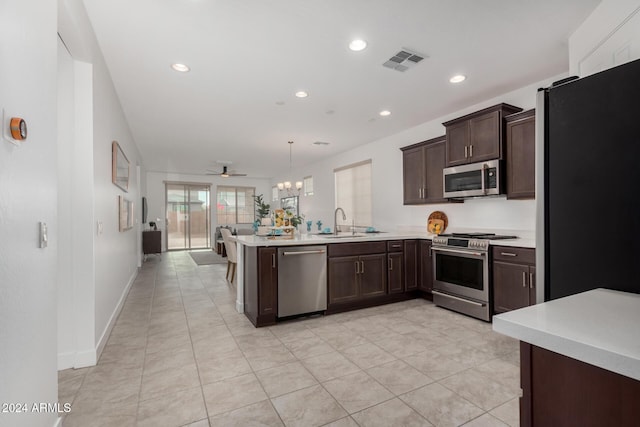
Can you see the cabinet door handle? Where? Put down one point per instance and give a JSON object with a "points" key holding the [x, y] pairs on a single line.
{"points": [[362, 268], [524, 279], [390, 264], [471, 151], [531, 282], [466, 151], [273, 260], [356, 264], [508, 254]]}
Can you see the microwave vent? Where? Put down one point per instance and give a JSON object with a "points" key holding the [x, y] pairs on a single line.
{"points": [[404, 59]]}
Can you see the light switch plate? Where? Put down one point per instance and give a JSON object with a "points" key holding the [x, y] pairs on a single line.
{"points": [[44, 236]]}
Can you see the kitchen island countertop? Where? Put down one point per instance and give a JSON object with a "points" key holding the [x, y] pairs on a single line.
{"points": [[599, 327], [317, 239]]}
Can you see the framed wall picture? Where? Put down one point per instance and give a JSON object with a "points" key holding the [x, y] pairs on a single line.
{"points": [[125, 209], [119, 167]]}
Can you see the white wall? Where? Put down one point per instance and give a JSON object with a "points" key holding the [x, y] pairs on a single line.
{"points": [[28, 182], [388, 210], [610, 36], [156, 196], [104, 263]]}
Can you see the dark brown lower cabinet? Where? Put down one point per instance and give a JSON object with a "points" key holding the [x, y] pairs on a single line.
{"points": [[395, 275], [151, 242], [561, 391], [426, 266], [261, 285], [343, 279], [373, 275], [514, 284], [411, 262], [353, 278]]}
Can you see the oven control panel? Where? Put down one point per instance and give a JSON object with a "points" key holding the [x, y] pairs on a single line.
{"points": [[477, 244]]}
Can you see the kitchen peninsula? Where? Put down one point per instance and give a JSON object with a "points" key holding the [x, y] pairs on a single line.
{"points": [[362, 270], [579, 359]]}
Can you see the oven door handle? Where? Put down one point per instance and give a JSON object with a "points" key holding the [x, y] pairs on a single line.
{"points": [[456, 251], [433, 291]]}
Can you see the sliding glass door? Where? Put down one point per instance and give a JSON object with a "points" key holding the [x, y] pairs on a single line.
{"points": [[188, 216]]}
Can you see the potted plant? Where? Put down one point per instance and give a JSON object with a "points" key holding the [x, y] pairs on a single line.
{"points": [[262, 210], [294, 220]]}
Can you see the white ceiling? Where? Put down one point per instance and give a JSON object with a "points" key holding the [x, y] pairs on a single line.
{"points": [[248, 55]]}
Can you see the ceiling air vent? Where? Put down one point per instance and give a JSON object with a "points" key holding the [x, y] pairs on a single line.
{"points": [[404, 59]]}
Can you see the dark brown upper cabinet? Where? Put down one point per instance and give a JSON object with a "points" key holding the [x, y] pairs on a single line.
{"points": [[520, 155], [422, 166], [478, 136]]}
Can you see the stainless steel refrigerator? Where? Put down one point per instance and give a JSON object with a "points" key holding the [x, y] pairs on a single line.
{"points": [[588, 180]]}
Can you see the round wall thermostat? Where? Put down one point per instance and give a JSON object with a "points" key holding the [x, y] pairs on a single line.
{"points": [[18, 128]]}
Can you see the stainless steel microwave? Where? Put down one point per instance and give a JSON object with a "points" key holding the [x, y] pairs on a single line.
{"points": [[473, 180]]}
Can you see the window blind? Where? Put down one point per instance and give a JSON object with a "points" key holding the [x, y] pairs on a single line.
{"points": [[353, 192]]}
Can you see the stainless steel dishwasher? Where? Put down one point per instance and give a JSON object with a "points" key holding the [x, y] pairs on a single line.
{"points": [[302, 280]]}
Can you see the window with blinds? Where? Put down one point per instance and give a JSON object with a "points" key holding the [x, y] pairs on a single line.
{"points": [[308, 186], [235, 205], [353, 192]]}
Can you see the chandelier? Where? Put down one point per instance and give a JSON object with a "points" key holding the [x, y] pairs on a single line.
{"points": [[286, 185]]}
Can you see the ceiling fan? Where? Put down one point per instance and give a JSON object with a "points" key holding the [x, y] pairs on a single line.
{"points": [[225, 173]]}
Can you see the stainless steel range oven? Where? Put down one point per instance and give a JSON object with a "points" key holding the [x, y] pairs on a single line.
{"points": [[461, 273]]}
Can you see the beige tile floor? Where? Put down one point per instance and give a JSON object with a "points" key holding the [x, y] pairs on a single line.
{"points": [[180, 355]]}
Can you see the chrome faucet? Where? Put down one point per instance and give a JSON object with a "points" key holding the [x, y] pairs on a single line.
{"points": [[335, 220]]}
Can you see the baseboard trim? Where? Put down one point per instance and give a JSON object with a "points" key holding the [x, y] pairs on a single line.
{"points": [[114, 316], [239, 307], [66, 360], [85, 359]]}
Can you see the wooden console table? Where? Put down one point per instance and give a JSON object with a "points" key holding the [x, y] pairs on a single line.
{"points": [[152, 242]]}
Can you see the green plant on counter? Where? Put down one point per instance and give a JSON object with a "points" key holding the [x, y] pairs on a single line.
{"points": [[262, 208], [294, 220]]}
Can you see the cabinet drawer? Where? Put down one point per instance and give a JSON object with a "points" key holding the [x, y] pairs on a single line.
{"points": [[349, 249], [516, 255], [395, 246]]}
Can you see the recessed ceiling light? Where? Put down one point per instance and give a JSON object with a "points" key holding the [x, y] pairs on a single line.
{"points": [[357, 45], [279, 102], [180, 67], [385, 113], [302, 94], [457, 78]]}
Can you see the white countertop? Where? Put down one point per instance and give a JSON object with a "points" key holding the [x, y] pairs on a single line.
{"points": [[315, 239], [600, 327]]}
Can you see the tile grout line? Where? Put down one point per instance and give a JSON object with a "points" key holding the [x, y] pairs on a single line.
{"points": [[144, 360], [204, 400]]}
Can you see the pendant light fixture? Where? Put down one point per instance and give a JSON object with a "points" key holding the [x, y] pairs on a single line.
{"points": [[286, 185]]}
